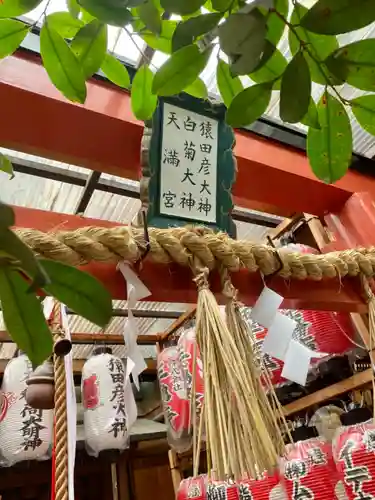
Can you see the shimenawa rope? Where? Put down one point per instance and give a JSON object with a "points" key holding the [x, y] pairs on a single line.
{"points": [[182, 245]]}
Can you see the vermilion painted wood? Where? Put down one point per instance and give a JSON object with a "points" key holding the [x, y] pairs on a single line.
{"points": [[174, 283], [354, 225], [104, 135]]}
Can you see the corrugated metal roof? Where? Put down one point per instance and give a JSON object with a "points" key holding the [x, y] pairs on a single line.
{"points": [[132, 47], [37, 192]]}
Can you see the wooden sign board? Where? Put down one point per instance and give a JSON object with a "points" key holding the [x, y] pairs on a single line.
{"points": [[190, 167]]}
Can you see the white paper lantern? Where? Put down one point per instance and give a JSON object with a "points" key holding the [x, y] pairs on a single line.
{"points": [[105, 416], [25, 433]]}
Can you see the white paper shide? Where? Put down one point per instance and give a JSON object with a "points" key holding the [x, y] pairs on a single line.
{"points": [[188, 165]]}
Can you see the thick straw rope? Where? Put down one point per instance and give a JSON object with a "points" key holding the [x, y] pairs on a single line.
{"points": [[181, 245], [61, 424]]}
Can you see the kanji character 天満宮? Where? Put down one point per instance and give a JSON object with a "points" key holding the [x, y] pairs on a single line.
{"points": [[169, 199], [171, 157], [172, 119]]}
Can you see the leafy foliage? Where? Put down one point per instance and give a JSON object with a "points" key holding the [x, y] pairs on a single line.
{"points": [[295, 90], [12, 33], [180, 70], [115, 71], [22, 311], [142, 99], [23, 316], [246, 37], [330, 147], [6, 166]]}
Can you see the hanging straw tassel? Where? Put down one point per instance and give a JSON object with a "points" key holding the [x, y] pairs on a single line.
{"points": [[238, 441], [60, 462], [271, 409], [370, 299]]}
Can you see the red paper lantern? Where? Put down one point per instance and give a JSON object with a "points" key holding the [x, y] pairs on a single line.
{"points": [[223, 490], [175, 399], [193, 487], [188, 349], [266, 487], [354, 453], [308, 471]]}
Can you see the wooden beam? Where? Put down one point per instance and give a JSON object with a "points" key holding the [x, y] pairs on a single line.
{"points": [[90, 338], [177, 324], [78, 365], [174, 283], [355, 382], [103, 135]]}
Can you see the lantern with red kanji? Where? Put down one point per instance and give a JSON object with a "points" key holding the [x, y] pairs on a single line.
{"points": [[265, 487], [192, 487], [105, 412], [175, 399], [307, 469], [354, 453], [25, 432], [226, 490], [188, 350]]}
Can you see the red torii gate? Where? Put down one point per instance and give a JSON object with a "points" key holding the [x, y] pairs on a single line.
{"points": [[103, 135]]}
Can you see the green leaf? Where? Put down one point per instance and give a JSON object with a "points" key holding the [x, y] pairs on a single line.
{"points": [[113, 12], [115, 71], [241, 31], [272, 70], [320, 46], [243, 39], [295, 90], [182, 7], [197, 89], [333, 17], [17, 250], [7, 218], [180, 70], [228, 85], [79, 291], [134, 3], [221, 5], [355, 64], [64, 24], [330, 149], [275, 25], [311, 119], [249, 105], [86, 17], [163, 42], [62, 65], [90, 47], [150, 16], [188, 31], [23, 317], [15, 8], [73, 8], [143, 101], [364, 110], [12, 34], [6, 165]]}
